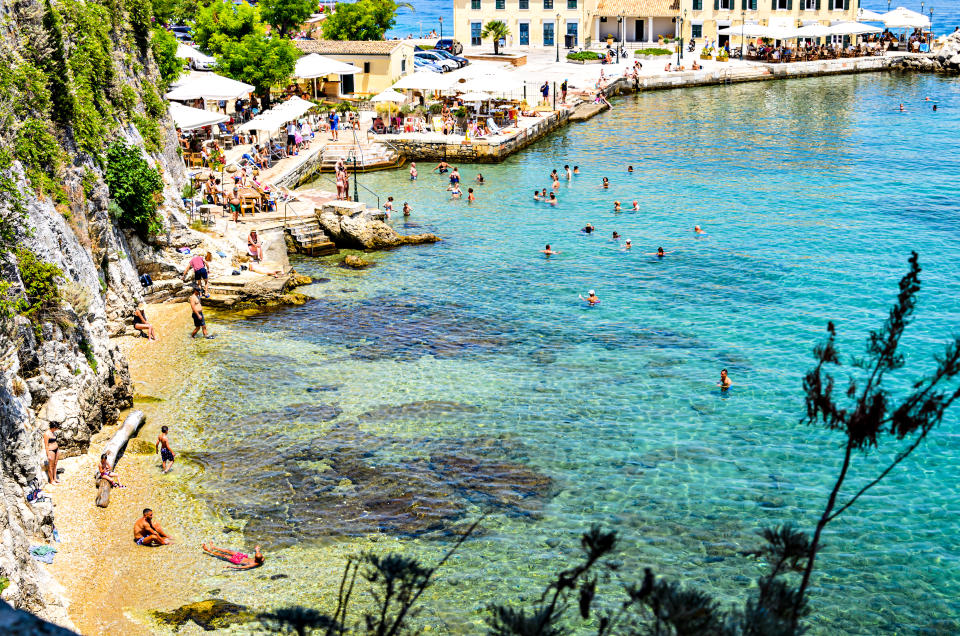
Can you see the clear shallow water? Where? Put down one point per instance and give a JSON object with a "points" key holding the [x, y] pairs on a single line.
{"points": [[466, 377]]}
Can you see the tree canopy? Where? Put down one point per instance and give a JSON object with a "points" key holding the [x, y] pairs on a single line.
{"points": [[238, 38], [362, 20], [164, 46], [286, 15], [497, 30]]}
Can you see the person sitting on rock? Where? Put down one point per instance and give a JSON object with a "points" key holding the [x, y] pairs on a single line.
{"points": [[106, 472], [255, 245], [239, 560], [141, 324]]}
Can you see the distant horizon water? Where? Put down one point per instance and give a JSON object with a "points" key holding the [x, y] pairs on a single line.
{"points": [[426, 14]]}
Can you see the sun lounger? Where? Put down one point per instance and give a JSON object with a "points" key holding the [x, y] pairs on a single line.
{"points": [[492, 127]]}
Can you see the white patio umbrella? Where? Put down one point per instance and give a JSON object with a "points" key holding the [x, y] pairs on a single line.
{"points": [[210, 86], [853, 28], [315, 65], [746, 30], [868, 15], [495, 84], [476, 96], [293, 108], [901, 18], [389, 95], [189, 118]]}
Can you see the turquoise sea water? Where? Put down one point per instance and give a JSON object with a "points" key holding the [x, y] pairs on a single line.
{"points": [[467, 377]]}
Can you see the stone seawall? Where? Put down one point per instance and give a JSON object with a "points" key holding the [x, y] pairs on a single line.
{"points": [[480, 151]]}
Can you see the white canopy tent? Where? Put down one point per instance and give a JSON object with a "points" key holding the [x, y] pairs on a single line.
{"points": [[746, 30], [187, 52], [188, 118], [901, 18], [814, 31], [853, 28], [209, 86], [315, 65], [389, 95]]}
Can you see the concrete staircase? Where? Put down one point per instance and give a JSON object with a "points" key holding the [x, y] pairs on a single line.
{"points": [[309, 238], [369, 156]]}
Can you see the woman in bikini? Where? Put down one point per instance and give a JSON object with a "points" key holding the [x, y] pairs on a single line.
{"points": [[141, 324], [106, 472], [239, 560]]}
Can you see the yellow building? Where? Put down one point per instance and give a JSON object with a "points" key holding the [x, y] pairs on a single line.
{"points": [[703, 18], [382, 63], [586, 23]]}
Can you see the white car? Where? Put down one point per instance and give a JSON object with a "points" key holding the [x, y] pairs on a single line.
{"points": [[430, 56]]}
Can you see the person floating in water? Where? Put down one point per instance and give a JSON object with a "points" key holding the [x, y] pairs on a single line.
{"points": [[591, 298], [239, 560], [548, 251], [724, 382], [480, 179], [659, 253], [616, 206], [697, 231], [630, 169], [901, 109], [636, 206], [553, 199], [606, 182], [576, 170], [470, 196], [627, 245], [616, 236], [587, 229], [536, 195]]}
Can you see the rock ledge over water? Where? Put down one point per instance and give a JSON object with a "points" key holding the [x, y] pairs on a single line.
{"points": [[353, 225]]}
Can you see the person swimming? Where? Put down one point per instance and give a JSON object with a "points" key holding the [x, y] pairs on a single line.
{"points": [[616, 206], [548, 252], [636, 206], [616, 236], [724, 382], [659, 253], [543, 194], [536, 195], [587, 229], [576, 170], [470, 196], [697, 231], [627, 245], [480, 179], [566, 171], [553, 199], [591, 298], [606, 182], [630, 169], [455, 192], [406, 209]]}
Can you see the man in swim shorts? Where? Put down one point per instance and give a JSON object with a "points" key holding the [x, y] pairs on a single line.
{"points": [[163, 447], [548, 252], [148, 533], [724, 382], [413, 172], [196, 311]]}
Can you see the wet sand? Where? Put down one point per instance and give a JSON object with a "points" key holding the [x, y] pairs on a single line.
{"points": [[111, 582]]}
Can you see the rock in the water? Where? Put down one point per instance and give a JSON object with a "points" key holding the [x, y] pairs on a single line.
{"points": [[140, 447], [211, 614], [354, 261], [13, 621], [352, 225]]}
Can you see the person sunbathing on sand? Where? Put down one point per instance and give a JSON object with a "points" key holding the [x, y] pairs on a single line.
{"points": [[239, 560]]}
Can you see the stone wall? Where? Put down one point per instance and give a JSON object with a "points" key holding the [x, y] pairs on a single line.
{"points": [[480, 151]]}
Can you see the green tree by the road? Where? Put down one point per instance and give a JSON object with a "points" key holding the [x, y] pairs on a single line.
{"points": [[362, 20], [286, 15], [238, 38], [497, 30], [164, 46]]}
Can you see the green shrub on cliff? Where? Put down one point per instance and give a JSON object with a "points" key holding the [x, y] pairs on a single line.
{"points": [[40, 154], [136, 188], [41, 292], [150, 131], [164, 46], [12, 208]]}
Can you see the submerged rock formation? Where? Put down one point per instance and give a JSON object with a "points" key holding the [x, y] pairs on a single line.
{"points": [[352, 226]]}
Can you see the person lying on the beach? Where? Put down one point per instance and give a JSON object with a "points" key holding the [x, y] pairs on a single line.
{"points": [[239, 560]]}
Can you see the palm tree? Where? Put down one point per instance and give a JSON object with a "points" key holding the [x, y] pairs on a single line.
{"points": [[497, 30]]}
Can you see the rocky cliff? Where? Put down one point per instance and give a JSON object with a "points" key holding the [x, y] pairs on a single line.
{"points": [[75, 77]]}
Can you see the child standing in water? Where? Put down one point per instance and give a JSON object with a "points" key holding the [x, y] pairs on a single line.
{"points": [[163, 447]]}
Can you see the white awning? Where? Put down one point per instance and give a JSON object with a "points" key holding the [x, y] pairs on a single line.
{"points": [[814, 31], [187, 52], [901, 18], [187, 118], [868, 15], [723, 23], [423, 80], [316, 65], [205, 85], [475, 96], [853, 28]]}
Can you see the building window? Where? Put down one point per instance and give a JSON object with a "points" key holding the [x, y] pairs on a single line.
{"points": [[725, 5], [572, 31], [571, 4], [548, 4], [524, 34], [697, 5], [524, 4], [501, 5], [547, 33], [840, 4], [696, 30], [403, 65], [366, 67], [753, 5], [475, 34], [475, 5], [781, 4]]}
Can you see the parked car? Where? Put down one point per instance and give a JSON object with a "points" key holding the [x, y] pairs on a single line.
{"points": [[431, 56], [449, 45], [461, 61], [426, 65], [181, 32]]}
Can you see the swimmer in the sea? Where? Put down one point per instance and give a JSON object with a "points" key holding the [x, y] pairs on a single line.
{"points": [[548, 252], [536, 195], [616, 206], [606, 182], [724, 382], [591, 298], [659, 253], [470, 196], [627, 245], [566, 170], [587, 229], [636, 206], [697, 231], [553, 199], [616, 236], [630, 169], [576, 170]]}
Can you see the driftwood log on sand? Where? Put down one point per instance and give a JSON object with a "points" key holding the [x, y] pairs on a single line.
{"points": [[114, 449]]}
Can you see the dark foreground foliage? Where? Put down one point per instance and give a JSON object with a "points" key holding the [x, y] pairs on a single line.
{"points": [[866, 413]]}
